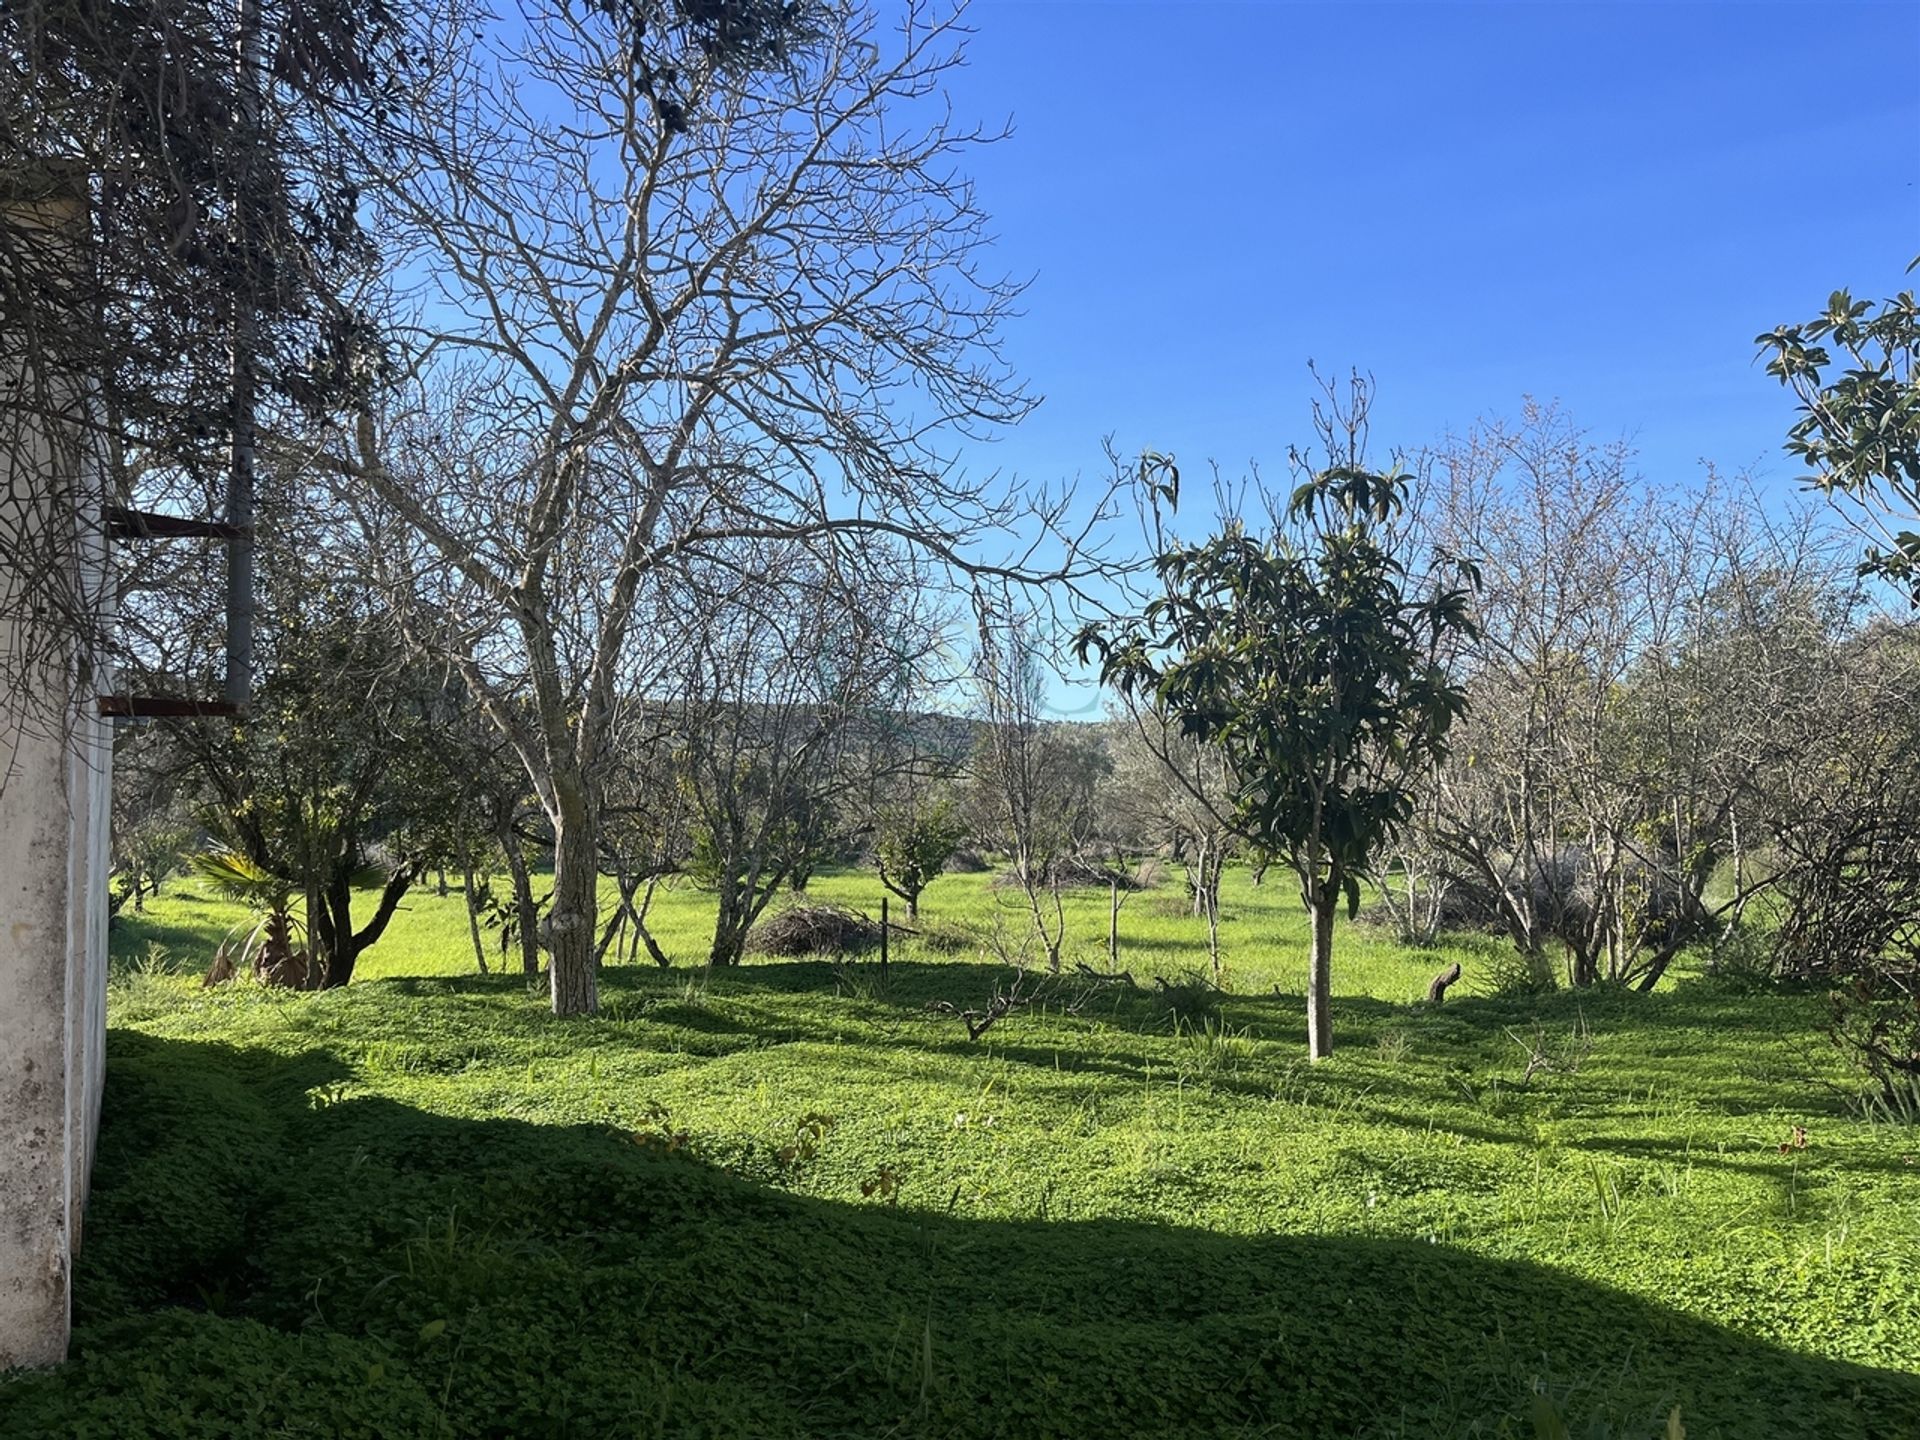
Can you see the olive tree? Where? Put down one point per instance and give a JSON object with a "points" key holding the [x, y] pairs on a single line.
{"points": [[914, 838]]}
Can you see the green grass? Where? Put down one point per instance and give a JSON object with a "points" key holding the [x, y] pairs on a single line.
{"points": [[791, 1200]]}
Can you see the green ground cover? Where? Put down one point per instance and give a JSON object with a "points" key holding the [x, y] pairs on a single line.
{"points": [[790, 1200]]}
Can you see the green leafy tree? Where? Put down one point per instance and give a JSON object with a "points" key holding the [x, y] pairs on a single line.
{"points": [[331, 782], [1305, 658], [1859, 429], [913, 843]]}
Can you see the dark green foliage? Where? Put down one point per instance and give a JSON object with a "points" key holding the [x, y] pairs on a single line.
{"points": [[187, 1375], [1313, 660], [148, 97], [914, 844], [186, 1156], [1311, 667]]}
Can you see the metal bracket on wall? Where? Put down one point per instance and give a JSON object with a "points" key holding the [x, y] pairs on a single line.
{"points": [[123, 523], [170, 707]]}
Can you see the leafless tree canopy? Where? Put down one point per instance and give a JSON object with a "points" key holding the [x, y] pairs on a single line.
{"points": [[648, 331], [1655, 669]]}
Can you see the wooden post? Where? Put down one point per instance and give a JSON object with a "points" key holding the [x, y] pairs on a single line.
{"points": [[883, 939], [1437, 991]]}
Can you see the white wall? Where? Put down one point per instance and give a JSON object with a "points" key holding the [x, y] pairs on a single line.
{"points": [[55, 778]]}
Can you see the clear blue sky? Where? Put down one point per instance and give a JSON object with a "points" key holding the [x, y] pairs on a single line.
{"points": [[1602, 204]]}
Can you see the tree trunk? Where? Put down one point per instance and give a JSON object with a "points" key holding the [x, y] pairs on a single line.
{"points": [[332, 940], [660, 957], [473, 910], [640, 926], [1113, 925], [522, 900], [1213, 936], [729, 939], [743, 898], [1051, 939], [728, 933], [344, 944], [913, 905], [574, 912], [1320, 974], [616, 930]]}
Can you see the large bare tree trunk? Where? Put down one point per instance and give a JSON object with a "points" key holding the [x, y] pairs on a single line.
{"points": [[1320, 974], [573, 916]]}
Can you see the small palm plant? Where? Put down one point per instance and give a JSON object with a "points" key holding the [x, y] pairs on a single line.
{"points": [[267, 944]]}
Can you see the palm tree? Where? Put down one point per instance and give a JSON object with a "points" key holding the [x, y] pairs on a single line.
{"points": [[268, 943]]}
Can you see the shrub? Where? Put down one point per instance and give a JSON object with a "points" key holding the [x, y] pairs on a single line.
{"points": [[1189, 1003], [1851, 917], [1874, 1018], [1514, 974], [1743, 961]]}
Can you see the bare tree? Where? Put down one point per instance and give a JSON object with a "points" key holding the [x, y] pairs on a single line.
{"points": [[1022, 765], [1176, 792], [679, 291], [782, 678], [645, 826], [1650, 662]]}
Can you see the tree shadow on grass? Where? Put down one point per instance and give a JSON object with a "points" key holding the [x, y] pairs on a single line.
{"points": [[271, 1252]]}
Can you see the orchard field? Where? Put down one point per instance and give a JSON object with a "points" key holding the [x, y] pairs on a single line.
{"points": [[793, 1198]]}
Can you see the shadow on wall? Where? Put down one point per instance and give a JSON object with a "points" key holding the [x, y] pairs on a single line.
{"points": [[272, 1254]]}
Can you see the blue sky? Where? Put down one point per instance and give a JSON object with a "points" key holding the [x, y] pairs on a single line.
{"points": [[1602, 204]]}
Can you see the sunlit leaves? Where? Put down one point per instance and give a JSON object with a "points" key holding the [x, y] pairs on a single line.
{"points": [[1859, 429]]}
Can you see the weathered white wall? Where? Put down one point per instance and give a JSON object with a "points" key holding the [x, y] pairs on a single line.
{"points": [[55, 763]]}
